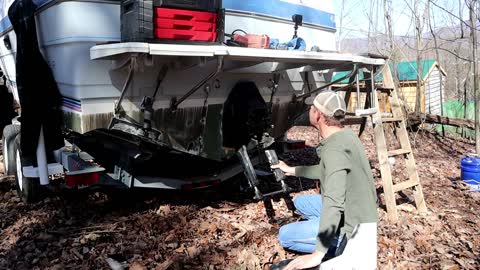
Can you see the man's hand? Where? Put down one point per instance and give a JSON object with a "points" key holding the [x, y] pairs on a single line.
{"points": [[306, 261], [290, 171]]}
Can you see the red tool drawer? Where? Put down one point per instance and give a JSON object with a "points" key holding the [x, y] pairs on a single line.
{"points": [[185, 35], [185, 25], [185, 15]]}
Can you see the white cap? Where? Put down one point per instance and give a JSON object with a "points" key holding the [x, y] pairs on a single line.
{"points": [[328, 102]]}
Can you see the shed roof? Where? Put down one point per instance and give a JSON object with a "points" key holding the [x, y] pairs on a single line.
{"points": [[407, 71]]}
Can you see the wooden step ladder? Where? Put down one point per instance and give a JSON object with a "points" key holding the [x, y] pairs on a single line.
{"points": [[397, 120]]}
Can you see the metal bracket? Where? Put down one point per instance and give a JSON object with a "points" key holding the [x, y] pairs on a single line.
{"points": [[174, 102], [132, 65], [53, 169], [123, 176]]}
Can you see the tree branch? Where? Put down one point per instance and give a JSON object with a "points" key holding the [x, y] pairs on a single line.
{"points": [[451, 14], [415, 119]]}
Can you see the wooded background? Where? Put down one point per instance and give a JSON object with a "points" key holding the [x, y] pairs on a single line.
{"points": [[444, 30]]}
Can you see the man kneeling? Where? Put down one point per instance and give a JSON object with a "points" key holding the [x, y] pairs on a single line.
{"points": [[348, 196]]}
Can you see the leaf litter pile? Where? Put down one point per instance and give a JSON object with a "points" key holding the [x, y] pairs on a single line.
{"points": [[226, 229]]}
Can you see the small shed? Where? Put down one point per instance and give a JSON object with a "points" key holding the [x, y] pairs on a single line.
{"points": [[433, 80]]}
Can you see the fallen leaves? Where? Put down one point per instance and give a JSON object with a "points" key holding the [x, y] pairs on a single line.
{"points": [[137, 266], [164, 265], [248, 259], [190, 231]]}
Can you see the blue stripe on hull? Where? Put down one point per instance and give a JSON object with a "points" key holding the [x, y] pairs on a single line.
{"points": [[278, 8], [5, 23], [72, 104]]}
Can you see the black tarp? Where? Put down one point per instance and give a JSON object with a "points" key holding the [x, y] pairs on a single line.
{"points": [[40, 99]]}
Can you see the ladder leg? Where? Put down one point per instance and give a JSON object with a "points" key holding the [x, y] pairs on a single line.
{"points": [[348, 95], [419, 199], [367, 105], [409, 160], [400, 130], [385, 171]]}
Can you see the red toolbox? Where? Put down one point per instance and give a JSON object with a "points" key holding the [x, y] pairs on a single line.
{"points": [[185, 35], [186, 15], [202, 5], [179, 24], [185, 25], [172, 21]]}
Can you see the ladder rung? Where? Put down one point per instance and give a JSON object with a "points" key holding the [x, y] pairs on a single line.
{"points": [[384, 89], [398, 152], [354, 121], [392, 119], [368, 89], [404, 185], [362, 89]]}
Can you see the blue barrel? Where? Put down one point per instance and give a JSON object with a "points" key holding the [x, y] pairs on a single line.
{"points": [[470, 168]]}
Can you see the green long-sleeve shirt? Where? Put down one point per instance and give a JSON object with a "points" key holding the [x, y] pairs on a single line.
{"points": [[346, 182]]}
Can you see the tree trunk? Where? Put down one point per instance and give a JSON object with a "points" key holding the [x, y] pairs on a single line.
{"points": [[465, 98], [387, 5], [473, 24], [460, 16], [437, 54], [340, 27], [418, 32]]}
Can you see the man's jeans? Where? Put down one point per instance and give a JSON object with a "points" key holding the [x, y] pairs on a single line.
{"points": [[301, 236]]}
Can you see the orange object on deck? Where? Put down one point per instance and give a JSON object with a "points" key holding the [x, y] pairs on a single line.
{"points": [[252, 41]]}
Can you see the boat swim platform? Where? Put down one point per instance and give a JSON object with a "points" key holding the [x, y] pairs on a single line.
{"points": [[272, 60]]}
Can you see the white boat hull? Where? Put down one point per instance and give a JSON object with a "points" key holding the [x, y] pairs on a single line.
{"points": [[68, 29]]}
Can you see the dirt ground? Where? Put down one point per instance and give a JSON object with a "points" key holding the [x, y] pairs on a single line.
{"points": [[221, 229]]}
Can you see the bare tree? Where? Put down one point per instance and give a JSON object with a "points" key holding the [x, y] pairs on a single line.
{"points": [[419, 18], [340, 28], [465, 97], [419, 23], [387, 8], [437, 55], [449, 40], [473, 34], [460, 15]]}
